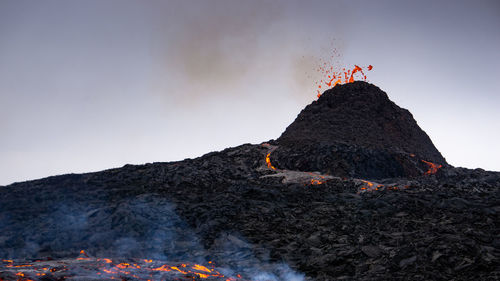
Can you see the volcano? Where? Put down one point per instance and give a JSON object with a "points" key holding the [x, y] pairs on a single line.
{"points": [[352, 190], [354, 130]]}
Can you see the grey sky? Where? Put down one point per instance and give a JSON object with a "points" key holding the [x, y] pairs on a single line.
{"points": [[90, 85]]}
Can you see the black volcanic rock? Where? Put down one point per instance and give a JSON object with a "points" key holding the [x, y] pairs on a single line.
{"points": [[229, 208], [355, 130], [360, 114]]}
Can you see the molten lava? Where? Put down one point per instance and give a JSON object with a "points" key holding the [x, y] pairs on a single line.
{"points": [[105, 268], [316, 182], [368, 186], [340, 77], [369, 183], [433, 168], [268, 162]]}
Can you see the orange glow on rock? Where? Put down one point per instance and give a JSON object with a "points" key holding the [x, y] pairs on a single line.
{"points": [[342, 76], [369, 183], [268, 162], [433, 168], [106, 269], [316, 182], [162, 268], [201, 268], [176, 268]]}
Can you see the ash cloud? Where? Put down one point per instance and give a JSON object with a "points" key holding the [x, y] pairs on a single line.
{"points": [[211, 46], [227, 48]]}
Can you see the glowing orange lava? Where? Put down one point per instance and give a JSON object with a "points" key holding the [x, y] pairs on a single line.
{"points": [[340, 77], [145, 269], [371, 186], [268, 162], [433, 168], [369, 183], [316, 182]]}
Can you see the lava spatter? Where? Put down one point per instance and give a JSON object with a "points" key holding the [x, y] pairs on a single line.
{"points": [[341, 77], [433, 168], [332, 73]]}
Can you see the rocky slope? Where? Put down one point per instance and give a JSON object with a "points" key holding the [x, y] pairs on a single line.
{"points": [[289, 223], [360, 133]]}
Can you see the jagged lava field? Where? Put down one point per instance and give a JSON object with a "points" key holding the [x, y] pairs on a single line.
{"points": [[352, 190]]}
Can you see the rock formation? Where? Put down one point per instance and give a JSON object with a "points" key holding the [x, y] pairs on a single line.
{"points": [[354, 130]]}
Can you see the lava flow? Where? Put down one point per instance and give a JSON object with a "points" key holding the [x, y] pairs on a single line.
{"points": [[105, 269], [340, 77], [312, 178], [322, 179], [268, 161], [433, 168], [316, 182], [368, 186]]}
